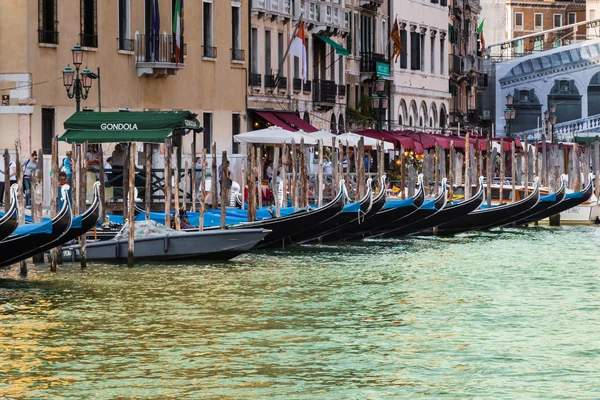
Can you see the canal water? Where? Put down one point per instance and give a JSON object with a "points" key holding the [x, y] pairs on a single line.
{"points": [[510, 314]]}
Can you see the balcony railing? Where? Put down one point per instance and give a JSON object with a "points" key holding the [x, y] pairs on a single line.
{"points": [[238, 55], [125, 44], [324, 91], [297, 82], [88, 40], [155, 55], [369, 60], [341, 90], [255, 80], [282, 83], [49, 37], [269, 81], [209, 51], [273, 6], [307, 87]]}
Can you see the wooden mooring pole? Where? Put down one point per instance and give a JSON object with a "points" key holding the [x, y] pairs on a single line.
{"points": [[54, 199], [176, 194], [251, 185], [202, 191], [131, 207], [223, 189], [214, 178], [320, 175], [148, 183], [21, 199], [168, 154]]}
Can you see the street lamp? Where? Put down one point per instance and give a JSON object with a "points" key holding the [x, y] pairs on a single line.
{"points": [[77, 84], [379, 101], [549, 122], [509, 116]]}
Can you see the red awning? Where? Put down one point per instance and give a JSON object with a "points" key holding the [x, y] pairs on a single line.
{"points": [[273, 120], [295, 121]]}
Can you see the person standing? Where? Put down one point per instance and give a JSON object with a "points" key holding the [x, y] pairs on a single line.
{"points": [[29, 167], [118, 155], [108, 169]]}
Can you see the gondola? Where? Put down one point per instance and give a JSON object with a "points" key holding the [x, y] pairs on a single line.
{"points": [[376, 206], [570, 200], [283, 228], [545, 203], [22, 244], [419, 218], [489, 217], [10, 220], [351, 213], [392, 212], [449, 212]]}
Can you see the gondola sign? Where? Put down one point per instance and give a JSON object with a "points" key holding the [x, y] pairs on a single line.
{"points": [[6, 100]]}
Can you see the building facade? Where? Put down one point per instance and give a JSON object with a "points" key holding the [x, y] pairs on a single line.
{"points": [[277, 92], [420, 90], [466, 64], [568, 77], [132, 46], [528, 17]]}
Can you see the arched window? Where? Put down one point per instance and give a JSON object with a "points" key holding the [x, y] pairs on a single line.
{"points": [[399, 119], [306, 117], [333, 125], [341, 127]]}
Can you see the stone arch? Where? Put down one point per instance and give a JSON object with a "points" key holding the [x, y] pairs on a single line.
{"points": [[306, 117], [333, 125], [443, 116], [433, 115], [402, 113], [413, 113], [341, 126], [423, 115]]}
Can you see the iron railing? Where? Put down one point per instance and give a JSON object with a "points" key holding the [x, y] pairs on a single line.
{"points": [[324, 91], [307, 87], [369, 60], [256, 80], [125, 44], [157, 48], [49, 37], [282, 83], [270, 81], [297, 84], [88, 40], [238, 55], [209, 51]]}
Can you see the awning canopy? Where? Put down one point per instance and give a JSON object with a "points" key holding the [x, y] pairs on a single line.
{"points": [[111, 127], [286, 120], [339, 49], [274, 135]]}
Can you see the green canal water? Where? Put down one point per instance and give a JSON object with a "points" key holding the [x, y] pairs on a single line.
{"points": [[512, 314]]}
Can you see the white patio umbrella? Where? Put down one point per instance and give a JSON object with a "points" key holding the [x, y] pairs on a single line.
{"points": [[274, 135], [325, 136], [353, 139]]}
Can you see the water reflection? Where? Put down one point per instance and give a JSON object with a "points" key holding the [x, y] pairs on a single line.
{"points": [[513, 312]]}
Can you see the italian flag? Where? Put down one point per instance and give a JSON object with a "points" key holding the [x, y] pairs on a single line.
{"points": [[298, 48], [177, 29], [481, 39]]}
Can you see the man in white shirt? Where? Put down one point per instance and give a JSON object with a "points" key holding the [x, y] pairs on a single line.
{"points": [[108, 169]]}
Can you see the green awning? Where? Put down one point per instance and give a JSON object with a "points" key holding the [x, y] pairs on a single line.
{"points": [[339, 49], [112, 127]]}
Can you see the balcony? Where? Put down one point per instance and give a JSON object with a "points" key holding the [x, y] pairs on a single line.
{"points": [[341, 90], [255, 80], [155, 55], [280, 9], [324, 91], [270, 82], [369, 60], [238, 55], [322, 16], [282, 83], [455, 64], [297, 84], [125, 44], [47, 37], [209, 52], [371, 4], [307, 86]]}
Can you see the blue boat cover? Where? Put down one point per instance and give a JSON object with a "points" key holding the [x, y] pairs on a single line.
{"points": [[38, 228], [547, 198], [576, 195], [398, 203], [428, 205], [352, 207]]}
